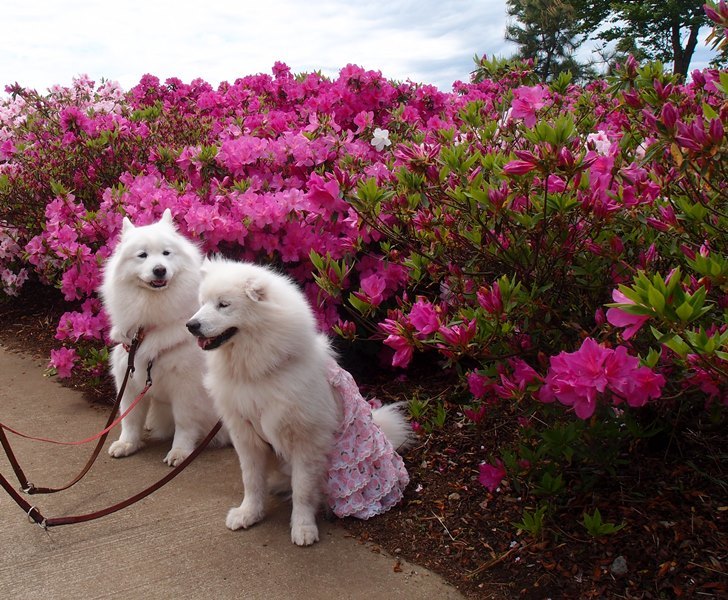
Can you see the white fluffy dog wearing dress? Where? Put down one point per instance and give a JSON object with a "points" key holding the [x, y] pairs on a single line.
{"points": [[150, 283], [288, 406]]}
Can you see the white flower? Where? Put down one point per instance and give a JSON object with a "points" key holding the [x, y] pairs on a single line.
{"points": [[602, 143], [381, 139]]}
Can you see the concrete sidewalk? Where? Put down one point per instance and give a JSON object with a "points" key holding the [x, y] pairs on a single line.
{"points": [[173, 544]]}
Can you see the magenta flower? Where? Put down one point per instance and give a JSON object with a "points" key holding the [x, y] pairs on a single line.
{"points": [[396, 339], [619, 318], [526, 101], [578, 378], [478, 384], [518, 167], [631, 382], [459, 335], [372, 288], [490, 299], [646, 384], [363, 120], [63, 360], [523, 373], [403, 350], [475, 415], [491, 475], [423, 317], [719, 16]]}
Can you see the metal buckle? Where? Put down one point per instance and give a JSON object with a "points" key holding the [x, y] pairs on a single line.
{"points": [[43, 524], [149, 372]]}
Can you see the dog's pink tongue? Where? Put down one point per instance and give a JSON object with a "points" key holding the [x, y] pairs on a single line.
{"points": [[202, 342]]}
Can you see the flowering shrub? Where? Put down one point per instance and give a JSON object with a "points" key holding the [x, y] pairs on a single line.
{"points": [[546, 242]]}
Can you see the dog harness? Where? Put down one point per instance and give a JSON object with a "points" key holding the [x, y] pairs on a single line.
{"points": [[366, 475]]}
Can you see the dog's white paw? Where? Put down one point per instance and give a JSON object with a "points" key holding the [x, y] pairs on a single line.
{"points": [[243, 517], [304, 535], [120, 449], [175, 456]]}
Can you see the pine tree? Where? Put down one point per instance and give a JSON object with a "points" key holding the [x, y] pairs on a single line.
{"points": [[547, 32]]}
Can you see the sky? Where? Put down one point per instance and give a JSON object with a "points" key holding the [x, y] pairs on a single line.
{"points": [[48, 42]]}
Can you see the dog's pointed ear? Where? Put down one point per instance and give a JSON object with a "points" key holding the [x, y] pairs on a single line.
{"points": [[205, 267], [126, 225], [255, 290], [167, 217]]}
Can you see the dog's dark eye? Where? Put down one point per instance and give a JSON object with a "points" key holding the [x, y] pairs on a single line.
{"points": [[166, 253], [142, 255], [223, 304]]}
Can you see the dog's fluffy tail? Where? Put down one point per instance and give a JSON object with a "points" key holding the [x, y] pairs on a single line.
{"points": [[394, 424]]}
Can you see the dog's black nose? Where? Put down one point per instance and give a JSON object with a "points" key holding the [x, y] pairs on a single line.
{"points": [[194, 326], [159, 271]]}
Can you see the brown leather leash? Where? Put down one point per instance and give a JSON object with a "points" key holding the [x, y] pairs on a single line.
{"points": [[28, 487], [34, 513]]}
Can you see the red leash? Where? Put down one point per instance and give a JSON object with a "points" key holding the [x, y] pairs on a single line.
{"points": [[28, 487], [101, 433], [34, 514]]}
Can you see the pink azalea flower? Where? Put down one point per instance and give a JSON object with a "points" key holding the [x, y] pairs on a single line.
{"points": [[490, 299], [423, 317], [476, 416], [601, 142], [518, 167], [403, 351], [526, 101], [576, 378], [478, 384], [363, 120], [523, 373], [491, 475], [619, 318], [63, 360], [459, 335], [646, 384], [372, 288]]}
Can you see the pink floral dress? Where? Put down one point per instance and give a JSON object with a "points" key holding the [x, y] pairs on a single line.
{"points": [[366, 475]]}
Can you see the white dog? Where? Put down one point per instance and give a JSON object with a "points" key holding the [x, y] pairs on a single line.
{"points": [[287, 404], [150, 284]]}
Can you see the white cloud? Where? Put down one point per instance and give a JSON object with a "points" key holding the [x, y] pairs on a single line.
{"points": [[47, 42]]}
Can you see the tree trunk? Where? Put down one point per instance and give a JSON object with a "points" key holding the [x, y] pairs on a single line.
{"points": [[683, 56]]}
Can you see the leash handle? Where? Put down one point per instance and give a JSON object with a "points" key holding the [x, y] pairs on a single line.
{"points": [[57, 521], [28, 487], [96, 436], [36, 516]]}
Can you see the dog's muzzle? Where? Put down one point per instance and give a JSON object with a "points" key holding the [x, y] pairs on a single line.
{"points": [[160, 278], [209, 343]]}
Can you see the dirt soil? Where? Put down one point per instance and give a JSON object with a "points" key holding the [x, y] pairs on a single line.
{"points": [[672, 499]]}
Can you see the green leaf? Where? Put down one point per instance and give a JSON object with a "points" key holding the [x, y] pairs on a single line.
{"points": [[653, 356], [360, 305], [657, 300], [672, 341], [684, 311], [316, 260]]}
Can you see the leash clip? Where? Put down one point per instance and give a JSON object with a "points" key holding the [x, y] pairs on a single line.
{"points": [[149, 372], [28, 489], [42, 524], [132, 349]]}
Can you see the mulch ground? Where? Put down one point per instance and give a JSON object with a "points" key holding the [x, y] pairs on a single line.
{"points": [[672, 498]]}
